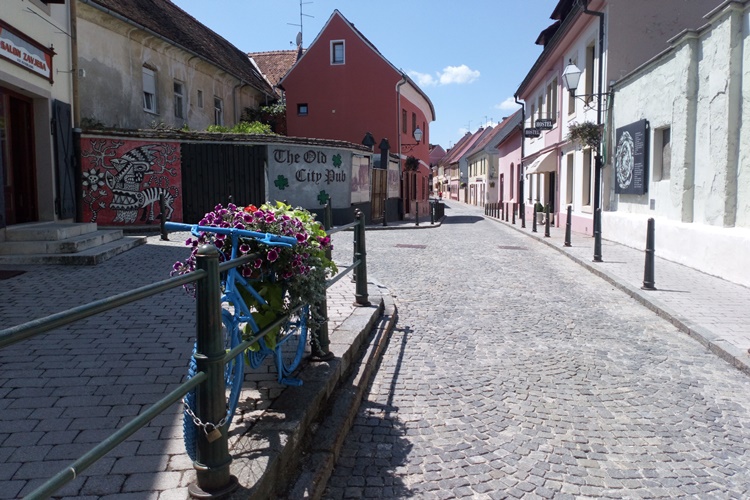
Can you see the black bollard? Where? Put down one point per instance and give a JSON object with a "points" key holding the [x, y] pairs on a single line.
{"points": [[523, 215], [416, 213], [385, 211], [567, 226], [546, 221], [162, 220], [648, 270], [533, 222], [514, 214], [432, 212]]}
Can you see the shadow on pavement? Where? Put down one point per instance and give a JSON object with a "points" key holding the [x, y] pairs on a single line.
{"points": [[462, 219]]}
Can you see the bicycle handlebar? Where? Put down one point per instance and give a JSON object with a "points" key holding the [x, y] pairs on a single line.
{"points": [[266, 238]]}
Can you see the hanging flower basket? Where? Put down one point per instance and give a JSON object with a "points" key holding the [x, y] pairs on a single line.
{"points": [[411, 163], [586, 134]]}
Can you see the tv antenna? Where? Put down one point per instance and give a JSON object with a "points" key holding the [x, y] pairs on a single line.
{"points": [[301, 15]]}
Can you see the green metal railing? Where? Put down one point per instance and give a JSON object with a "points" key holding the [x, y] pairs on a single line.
{"points": [[213, 478]]}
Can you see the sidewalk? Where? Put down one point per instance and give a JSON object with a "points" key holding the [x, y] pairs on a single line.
{"points": [[712, 310], [63, 392]]}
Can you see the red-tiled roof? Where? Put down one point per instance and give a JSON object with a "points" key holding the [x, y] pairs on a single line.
{"points": [[276, 63], [168, 21]]}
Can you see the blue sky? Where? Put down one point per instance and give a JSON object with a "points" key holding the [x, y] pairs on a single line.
{"points": [[468, 56]]}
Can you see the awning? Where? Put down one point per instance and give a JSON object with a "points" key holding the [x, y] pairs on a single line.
{"points": [[543, 163]]}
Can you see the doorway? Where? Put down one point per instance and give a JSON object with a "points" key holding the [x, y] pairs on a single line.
{"points": [[18, 160]]}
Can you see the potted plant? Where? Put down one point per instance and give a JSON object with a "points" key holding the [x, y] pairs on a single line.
{"points": [[411, 163], [586, 134], [284, 276], [539, 210]]}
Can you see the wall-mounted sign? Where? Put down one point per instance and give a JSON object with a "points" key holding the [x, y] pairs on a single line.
{"points": [[531, 132], [544, 123], [631, 160], [25, 52]]}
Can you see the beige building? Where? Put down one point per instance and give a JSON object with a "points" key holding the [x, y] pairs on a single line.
{"points": [[157, 67], [36, 93]]}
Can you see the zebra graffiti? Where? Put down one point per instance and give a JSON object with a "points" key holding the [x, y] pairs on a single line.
{"points": [[129, 195]]}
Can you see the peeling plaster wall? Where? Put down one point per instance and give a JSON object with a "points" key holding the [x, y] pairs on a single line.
{"points": [[699, 88]]}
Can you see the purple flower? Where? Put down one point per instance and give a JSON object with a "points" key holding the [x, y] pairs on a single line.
{"points": [[244, 248], [273, 255], [270, 218], [258, 263], [301, 237]]}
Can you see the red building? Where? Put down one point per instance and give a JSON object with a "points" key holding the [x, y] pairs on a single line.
{"points": [[343, 87]]}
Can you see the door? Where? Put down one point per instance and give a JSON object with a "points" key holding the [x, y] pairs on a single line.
{"points": [[379, 193], [17, 148], [65, 160]]}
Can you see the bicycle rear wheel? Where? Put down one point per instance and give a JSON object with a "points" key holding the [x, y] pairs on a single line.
{"points": [[290, 347], [234, 373]]}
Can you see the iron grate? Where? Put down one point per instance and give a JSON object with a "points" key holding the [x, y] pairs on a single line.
{"points": [[510, 247]]}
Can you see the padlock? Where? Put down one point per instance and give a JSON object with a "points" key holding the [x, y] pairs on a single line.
{"points": [[213, 435]]}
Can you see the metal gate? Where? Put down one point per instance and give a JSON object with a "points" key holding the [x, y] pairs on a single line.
{"points": [[379, 193], [220, 173]]}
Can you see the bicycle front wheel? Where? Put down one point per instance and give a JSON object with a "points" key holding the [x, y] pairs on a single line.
{"points": [[290, 347]]}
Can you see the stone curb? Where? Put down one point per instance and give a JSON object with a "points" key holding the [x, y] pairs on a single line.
{"points": [[329, 436], [710, 340], [267, 454]]}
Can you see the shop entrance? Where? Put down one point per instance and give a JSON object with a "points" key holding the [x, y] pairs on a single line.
{"points": [[17, 158]]}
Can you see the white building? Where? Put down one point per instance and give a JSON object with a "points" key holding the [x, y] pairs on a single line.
{"points": [[695, 160]]}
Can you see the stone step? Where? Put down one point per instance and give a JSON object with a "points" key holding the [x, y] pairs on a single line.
{"points": [[48, 231], [88, 257], [73, 244]]}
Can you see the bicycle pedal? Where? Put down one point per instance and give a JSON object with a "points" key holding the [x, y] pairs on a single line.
{"points": [[293, 382]]}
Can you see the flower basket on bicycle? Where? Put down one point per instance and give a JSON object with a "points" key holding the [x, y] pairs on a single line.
{"points": [[280, 269]]}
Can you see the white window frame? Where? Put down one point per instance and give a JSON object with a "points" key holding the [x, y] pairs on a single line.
{"points": [[334, 58], [179, 99], [200, 99], [149, 90], [218, 111]]}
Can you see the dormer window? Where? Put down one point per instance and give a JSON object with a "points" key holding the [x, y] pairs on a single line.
{"points": [[337, 52]]}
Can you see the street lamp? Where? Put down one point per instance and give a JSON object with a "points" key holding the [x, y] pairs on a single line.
{"points": [[571, 76], [417, 137]]}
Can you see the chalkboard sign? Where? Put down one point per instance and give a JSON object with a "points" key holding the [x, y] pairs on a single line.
{"points": [[631, 158]]}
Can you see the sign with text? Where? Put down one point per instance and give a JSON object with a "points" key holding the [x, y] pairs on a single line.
{"points": [[531, 132], [544, 124], [310, 176], [25, 52], [631, 158]]}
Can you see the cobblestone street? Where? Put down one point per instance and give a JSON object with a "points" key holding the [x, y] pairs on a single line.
{"points": [[513, 373]]}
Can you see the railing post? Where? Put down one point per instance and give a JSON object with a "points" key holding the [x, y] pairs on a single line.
{"points": [[360, 296], [648, 270], [567, 225], [416, 213], [212, 460], [546, 220], [319, 347], [162, 220]]}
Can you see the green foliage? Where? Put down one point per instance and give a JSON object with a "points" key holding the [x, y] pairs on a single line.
{"points": [[241, 128], [586, 134]]}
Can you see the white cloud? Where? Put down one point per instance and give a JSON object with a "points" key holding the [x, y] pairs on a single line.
{"points": [[508, 105], [450, 75], [423, 79], [458, 74]]}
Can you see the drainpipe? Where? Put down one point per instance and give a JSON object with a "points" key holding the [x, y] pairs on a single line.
{"points": [[74, 65], [598, 169], [523, 175], [398, 134]]}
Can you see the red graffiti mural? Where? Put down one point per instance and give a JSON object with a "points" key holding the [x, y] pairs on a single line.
{"points": [[124, 180]]}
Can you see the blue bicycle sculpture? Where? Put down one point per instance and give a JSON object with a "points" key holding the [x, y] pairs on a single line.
{"points": [[286, 348]]}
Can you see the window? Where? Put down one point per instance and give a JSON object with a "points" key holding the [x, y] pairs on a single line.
{"points": [[337, 52], [200, 99], [512, 181], [569, 179], [551, 109], [413, 123], [302, 109], [179, 101], [218, 111], [149, 90], [662, 153], [571, 98], [540, 103], [587, 182], [531, 116], [403, 121], [589, 73]]}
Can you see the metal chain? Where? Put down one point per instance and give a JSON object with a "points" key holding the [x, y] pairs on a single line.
{"points": [[203, 425]]}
